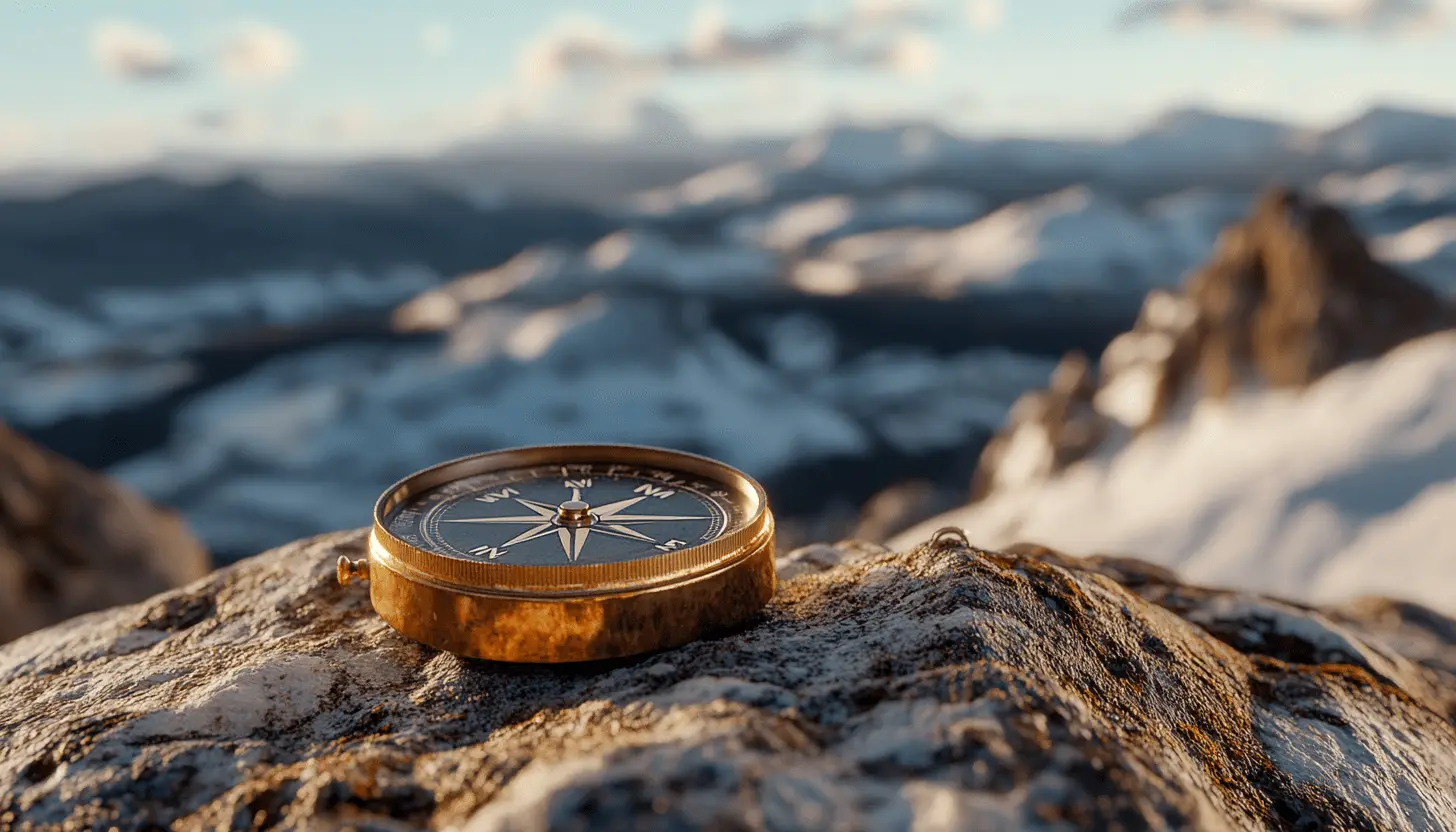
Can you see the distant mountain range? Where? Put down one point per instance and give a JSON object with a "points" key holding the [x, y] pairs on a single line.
{"points": [[601, 173], [1182, 149], [157, 232], [186, 218]]}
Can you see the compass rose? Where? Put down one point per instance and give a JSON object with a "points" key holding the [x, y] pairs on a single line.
{"points": [[573, 522]]}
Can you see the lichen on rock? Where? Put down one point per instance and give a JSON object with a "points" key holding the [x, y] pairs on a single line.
{"points": [[944, 686]]}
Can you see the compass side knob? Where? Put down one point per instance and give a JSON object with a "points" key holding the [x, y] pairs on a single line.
{"points": [[351, 571]]}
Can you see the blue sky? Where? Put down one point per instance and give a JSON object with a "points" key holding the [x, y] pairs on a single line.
{"points": [[99, 80]]}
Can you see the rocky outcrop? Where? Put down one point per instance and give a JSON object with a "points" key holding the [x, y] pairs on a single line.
{"points": [[72, 541], [1289, 294], [943, 687]]}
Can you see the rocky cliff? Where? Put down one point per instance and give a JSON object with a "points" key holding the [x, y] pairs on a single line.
{"points": [[942, 687], [1289, 294], [72, 541]]}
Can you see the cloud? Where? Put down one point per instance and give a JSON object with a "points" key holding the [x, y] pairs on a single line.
{"points": [[20, 141], [896, 13], [913, 54], [1372, 16], [351, 122], [259, 52], [713, 44], [618, 112], [135, 53], [873, 34], [437, 39], [985, 15], [576, 47], [910, 54]]}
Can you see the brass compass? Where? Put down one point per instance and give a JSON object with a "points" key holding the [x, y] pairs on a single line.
{"points": [[566, 553]]}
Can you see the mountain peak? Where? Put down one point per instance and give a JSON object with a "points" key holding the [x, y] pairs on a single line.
{"points": [[1241, 319], [1193, 120]]}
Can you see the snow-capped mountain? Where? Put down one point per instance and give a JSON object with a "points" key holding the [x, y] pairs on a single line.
{"points": [[123, 345], [1388, 136], [1186, 148], [1401, 185], [1191, 220], [166, 234], [306, 442], [1243, 440], [1198, 142], [1072, 239], [813, 222], [721, 188], [624, 261], [868, 156], [644, 259], [1343, 489], [1428, 250]]}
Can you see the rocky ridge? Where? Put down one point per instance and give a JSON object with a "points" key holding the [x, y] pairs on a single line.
{"points": [[944, 686], [72, 541], [1290, 294]]}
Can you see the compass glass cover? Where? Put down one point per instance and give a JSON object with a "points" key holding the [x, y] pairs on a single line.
{"points": [[580, 513]]}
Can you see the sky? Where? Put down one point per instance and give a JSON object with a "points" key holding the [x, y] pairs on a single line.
{"points": [[92, 81]]}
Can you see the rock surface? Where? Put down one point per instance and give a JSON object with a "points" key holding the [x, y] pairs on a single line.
{"points": [[72, 541], [942, 687], [1289, 294]]}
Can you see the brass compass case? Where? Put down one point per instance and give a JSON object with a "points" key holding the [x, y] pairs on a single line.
{"points": [[568, 553]]}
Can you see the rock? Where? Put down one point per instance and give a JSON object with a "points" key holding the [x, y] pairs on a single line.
{"points": [[72, 541], [821, 557], [1289, 294], [943, 687]]}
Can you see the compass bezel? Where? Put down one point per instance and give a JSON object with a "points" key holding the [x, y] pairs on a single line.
{"points": [[572, 579]]}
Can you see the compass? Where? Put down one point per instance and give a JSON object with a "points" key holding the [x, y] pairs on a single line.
{"points": [[565, 553]]}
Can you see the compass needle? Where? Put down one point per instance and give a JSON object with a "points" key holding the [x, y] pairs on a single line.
{"points": [[572, 540], [607, 511], [541, 509], [530, 534], [680, 546], [650, 518], [535, 518], [623, 531]]}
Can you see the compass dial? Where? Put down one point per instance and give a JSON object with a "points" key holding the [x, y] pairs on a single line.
{"points": [[580, 513]]}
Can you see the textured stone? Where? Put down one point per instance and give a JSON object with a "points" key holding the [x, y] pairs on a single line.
{"points": [[942, 687], [1288, 295], [72, 541], [1291, 294]]}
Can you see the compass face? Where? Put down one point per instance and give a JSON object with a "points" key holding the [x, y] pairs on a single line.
{"points": [[580, 513]]}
